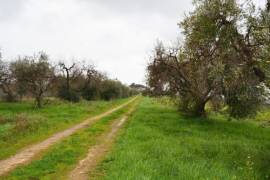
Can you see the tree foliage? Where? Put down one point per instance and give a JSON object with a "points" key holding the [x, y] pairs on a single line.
{"points": [[35, 73], [6, 81], [35, 76], [221, 56]]}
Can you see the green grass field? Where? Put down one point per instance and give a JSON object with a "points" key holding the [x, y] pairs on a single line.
{"points": [[159, 143], [59, 160], [21, 124]]}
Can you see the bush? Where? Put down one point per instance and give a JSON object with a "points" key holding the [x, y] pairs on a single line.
{"points": [[125, 91], [243, 101], [90, 93], [110, 90], [70, 95]]}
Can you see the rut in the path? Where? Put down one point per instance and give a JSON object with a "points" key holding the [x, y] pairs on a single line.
{"points": [[27, 154], [96, 153]]}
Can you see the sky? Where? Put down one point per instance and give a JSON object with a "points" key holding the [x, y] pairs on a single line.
{"points": [[117, 36]]}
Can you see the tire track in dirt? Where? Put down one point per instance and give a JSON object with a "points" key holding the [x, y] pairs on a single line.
{"points": [[97, 152], [27, 154]]}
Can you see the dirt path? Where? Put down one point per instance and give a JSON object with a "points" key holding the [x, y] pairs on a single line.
{"points": [[26, 155], [96, 153]]}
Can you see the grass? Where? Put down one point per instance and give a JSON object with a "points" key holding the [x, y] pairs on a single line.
{"points": [[159, 143], [59, 160], [21, 124]]}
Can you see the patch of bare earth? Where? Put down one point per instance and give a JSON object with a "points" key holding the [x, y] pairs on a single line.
{"points": [[26, 155], [97, 152]]}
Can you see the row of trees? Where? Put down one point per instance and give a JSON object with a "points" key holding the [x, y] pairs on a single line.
{"points": [[36, 77], [224, 58]]}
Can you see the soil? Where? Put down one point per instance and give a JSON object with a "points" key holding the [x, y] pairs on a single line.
{"points": [[97, 152]]}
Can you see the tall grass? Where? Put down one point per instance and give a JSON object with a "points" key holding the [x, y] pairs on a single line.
{"points": [[60, 159], [159, 143], [21, 124]]}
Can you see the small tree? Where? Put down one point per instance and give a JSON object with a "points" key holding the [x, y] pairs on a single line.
{"points": [[7, 81], [36, 73], [67, 71], [92, 83], [71, 73]]}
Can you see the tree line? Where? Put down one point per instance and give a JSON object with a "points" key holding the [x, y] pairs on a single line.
{"points": [[36, 77], [224, 59]]}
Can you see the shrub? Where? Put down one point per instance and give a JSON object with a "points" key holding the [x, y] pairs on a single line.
{"points": [[69, 95], [110, 90], [243, 101], [24, 122], [90, 93]]}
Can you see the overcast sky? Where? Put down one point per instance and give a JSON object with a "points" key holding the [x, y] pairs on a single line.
{"points": [[117, 36]]}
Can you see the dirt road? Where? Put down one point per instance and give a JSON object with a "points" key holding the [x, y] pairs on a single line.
{"points": [[96, 153], [27, 154]]}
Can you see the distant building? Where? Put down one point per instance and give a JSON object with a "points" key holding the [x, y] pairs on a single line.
{"points": [[138, 87]]}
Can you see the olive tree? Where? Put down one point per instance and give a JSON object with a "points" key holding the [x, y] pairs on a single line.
{"points": [[92, 85], [218, 58], [7, 81], [36, 73]]}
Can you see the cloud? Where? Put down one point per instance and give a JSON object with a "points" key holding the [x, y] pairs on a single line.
{"points": [[10, 9], [117, 35], [142, 7]]}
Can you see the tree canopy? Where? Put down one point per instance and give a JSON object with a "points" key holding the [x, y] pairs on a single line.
{"points": [[225, 55]]}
